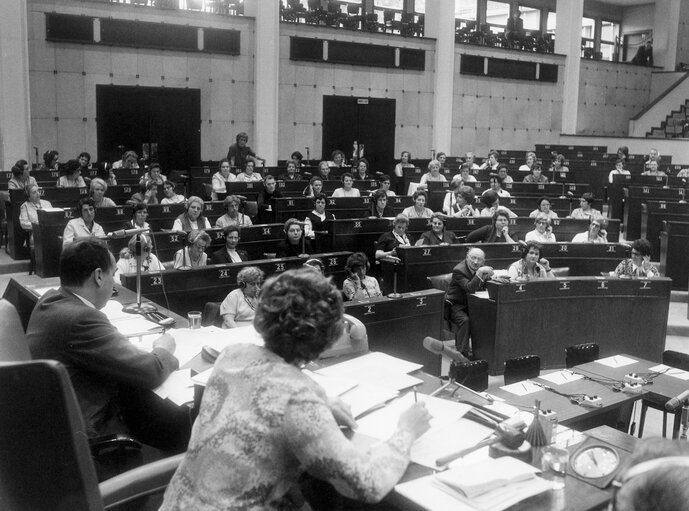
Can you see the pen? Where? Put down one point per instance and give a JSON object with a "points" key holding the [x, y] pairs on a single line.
{"points": [[415, 398]]}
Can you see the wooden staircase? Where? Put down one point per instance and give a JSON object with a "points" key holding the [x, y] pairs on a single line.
{"points": [[675, 125]]}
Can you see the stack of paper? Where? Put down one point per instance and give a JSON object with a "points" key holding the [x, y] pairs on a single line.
{"points": [[486, 485]]}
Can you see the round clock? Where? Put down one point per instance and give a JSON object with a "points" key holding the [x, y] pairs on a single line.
{"points": [[595, 462]]}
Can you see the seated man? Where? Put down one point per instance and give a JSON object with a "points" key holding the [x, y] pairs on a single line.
{"points": [[468, 276], [111, 377]]}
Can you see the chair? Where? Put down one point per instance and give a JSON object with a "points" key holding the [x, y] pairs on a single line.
{"points": [[208, 188], [672, 359], [581, 354], [46, 462], [472, 374], [211, 314], [13, 346], [354, 339], [522, 368], [250, 208], [441, 283]]}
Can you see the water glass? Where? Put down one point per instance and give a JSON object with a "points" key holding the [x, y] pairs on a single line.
{"points": [[554, 462], [194, 318]]}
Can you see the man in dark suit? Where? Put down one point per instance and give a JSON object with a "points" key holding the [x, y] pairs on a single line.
{"points": [[109, 374], [468, 276], [266, 200], [229, 253]]}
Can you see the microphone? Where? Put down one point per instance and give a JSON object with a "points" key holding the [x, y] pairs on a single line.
{"points": [[307, 175], [677, 401], [241, 197], [437, 347], [126, 233]]}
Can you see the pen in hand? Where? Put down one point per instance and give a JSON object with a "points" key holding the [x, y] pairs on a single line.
{"points": [[416, 400]]}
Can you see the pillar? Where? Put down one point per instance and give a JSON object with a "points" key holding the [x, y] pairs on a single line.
{"points": [[568, 43], [666, 22]]}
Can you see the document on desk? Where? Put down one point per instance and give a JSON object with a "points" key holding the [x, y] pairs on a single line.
{"points": [[376, 369], [616, 361], [670, 371], [561, 377], [485, 485], [178, 387], [522, 388]]}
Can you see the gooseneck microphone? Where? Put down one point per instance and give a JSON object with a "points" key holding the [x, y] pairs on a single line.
{"points": [[677, 401], [439, 348]]}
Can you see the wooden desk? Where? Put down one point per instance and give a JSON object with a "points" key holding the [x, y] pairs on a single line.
{"points": [[620, 182], [582, 259], [635, 196], [653, 213], [674, 247], [398, 326], [184, 290], [544, 317]]}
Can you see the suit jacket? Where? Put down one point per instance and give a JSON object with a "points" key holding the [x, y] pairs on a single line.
{"points": [[222, 257], [463, 281], [98, 358]]}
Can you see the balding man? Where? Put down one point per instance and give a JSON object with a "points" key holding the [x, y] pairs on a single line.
{"points": [[468, 276]]}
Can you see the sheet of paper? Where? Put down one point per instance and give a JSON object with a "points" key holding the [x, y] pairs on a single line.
{"points": [[370, 363], [202, 377], [382, 423], [178, 387], [522, 388], [447, 439], [364, 397], [332, 385], [616, 361], [482, 294], [135, 326], [561, 377], [221, 338], [670, 371]]}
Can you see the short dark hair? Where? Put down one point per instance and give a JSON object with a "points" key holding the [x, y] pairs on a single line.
{"points": [[297, 155], [500, 212], [154, 165], [320, 196], [231, 228], [643, 246], [84, 154], [419, 193], [528, 246], [489, 197], [357, 259], [84, 201], [18, 168], [299, 315], [80, 259], [346, 174], [71, 167], [382, 178], [379, 194], [139, 206], [49, 156]]}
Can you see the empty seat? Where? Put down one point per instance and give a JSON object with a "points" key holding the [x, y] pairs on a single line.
{"points": [[472, 374], [522, 368], [581, 354]]}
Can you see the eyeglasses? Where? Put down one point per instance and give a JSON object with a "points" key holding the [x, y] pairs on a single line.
{"points": [[539, 222], [200, 246]]}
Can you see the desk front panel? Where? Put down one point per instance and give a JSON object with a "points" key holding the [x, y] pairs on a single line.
{"points": [[187, 290], [653, 213], [544, 317], [674, 247], [398, 326], [635, 196], [341, 207]]}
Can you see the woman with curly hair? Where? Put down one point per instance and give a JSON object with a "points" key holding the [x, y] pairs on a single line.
{"points": [[239, 306], [263, 422], [639, 264]]}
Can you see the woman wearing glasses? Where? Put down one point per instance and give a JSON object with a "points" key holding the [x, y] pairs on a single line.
{"points": [[239, 306], [543, 233], [194, 255]]}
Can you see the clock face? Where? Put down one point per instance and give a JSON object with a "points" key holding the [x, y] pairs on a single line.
{"points": [[595, 461]]}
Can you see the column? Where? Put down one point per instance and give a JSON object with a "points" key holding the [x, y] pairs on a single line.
{"points": [[15, 113], [666, 21], [440, 24], [568, 42], [266, 76]]}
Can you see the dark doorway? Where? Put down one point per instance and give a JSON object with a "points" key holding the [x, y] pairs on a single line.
{"points": [[167, 120], [368, 121]]}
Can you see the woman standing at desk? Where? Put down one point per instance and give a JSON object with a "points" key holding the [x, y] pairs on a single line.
{"points": [[262, 422], [530, 266]]}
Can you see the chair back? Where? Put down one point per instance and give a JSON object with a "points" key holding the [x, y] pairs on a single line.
{"points": [[472, 374], [13, 346], [250, 208], [354, 339], [676, 359], [522, 368], [211, 314], [45, 462], [208, 189], [440, 282], [581, 354]]}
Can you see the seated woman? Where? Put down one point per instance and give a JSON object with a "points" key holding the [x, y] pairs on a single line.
{"points": [[127, 260], [419, 209], [314, 223], [221, 178], [543, 233], [492, 202], [98, 187], [291, 173], [530, 266], [239, 306], [536, 175], [315, 187], [531, 161], [347, 189], [384, 183], [433, 175], [229, 253], [586, 211], [170, 196], [639, 264], [232, 215], [595, 233], [194, 255], [147, 194], [558, 165], [496, 186], [192, 218], [21, 178], [502, 173], [84, 160], [28, 213], [51, 159], [337, 159], [358, 285], [84, 225], [543, 207], [386, 246], [459, 203], [154, 174], [464, 175], [72, 176], [361, 170], [249, 175], [619, 170], [294, 243], [438, 235], [324, 170], [497, 232], [379, 206], [129, 160], [139, 216], [263, 422]]}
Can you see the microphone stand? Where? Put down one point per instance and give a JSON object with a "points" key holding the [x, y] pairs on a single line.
{"points": [[685, 419], [562, 195], [303, 246], [308, 158], [394, 293], [138, 307]]}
